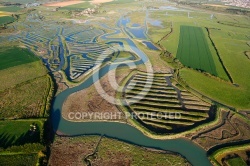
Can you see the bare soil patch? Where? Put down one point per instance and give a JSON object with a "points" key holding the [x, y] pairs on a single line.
{"points": [[100, 1]]}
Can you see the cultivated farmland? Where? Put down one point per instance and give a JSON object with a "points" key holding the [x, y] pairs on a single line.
{"points": [[27, 90], [193, 50], [19, 132], [28, 99], [30, 154], [9, 8], [6, 20], [21, 73], [11, 57], [16, 159]]}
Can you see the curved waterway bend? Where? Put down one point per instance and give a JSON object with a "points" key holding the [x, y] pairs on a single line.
{"points": [[121, 131]]}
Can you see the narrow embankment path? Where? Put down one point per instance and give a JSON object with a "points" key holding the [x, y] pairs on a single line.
{"points": [[218, 55]]}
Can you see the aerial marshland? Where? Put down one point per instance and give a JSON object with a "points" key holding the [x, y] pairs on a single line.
{"points": [[60, 59]]}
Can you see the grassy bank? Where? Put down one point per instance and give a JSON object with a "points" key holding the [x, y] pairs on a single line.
{"points": [[15, 56], [220, 91]]}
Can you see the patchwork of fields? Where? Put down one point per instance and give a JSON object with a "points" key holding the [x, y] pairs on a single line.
{"points": [[25, 93], [5, 14], [229, 41], [26, 86]]}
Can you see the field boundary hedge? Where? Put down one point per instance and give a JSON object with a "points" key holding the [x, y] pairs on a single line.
{"points": [[48, 97], [218, 55]]}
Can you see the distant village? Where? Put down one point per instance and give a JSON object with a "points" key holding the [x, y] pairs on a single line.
{"points": [[238, 3], [87, 11]]}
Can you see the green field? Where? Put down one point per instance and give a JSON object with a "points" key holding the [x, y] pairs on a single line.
{"points": [[17, 159], [9, 9], [80, 6], [15, 56], [6, 20], [193, 50], [237, 161], [28, 99], [21, 73], [29, 153], [17, 132], [220, 91], [230, 41]]}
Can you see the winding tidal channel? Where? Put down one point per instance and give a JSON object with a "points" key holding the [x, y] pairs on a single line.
{"points": [[121, 131]]}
